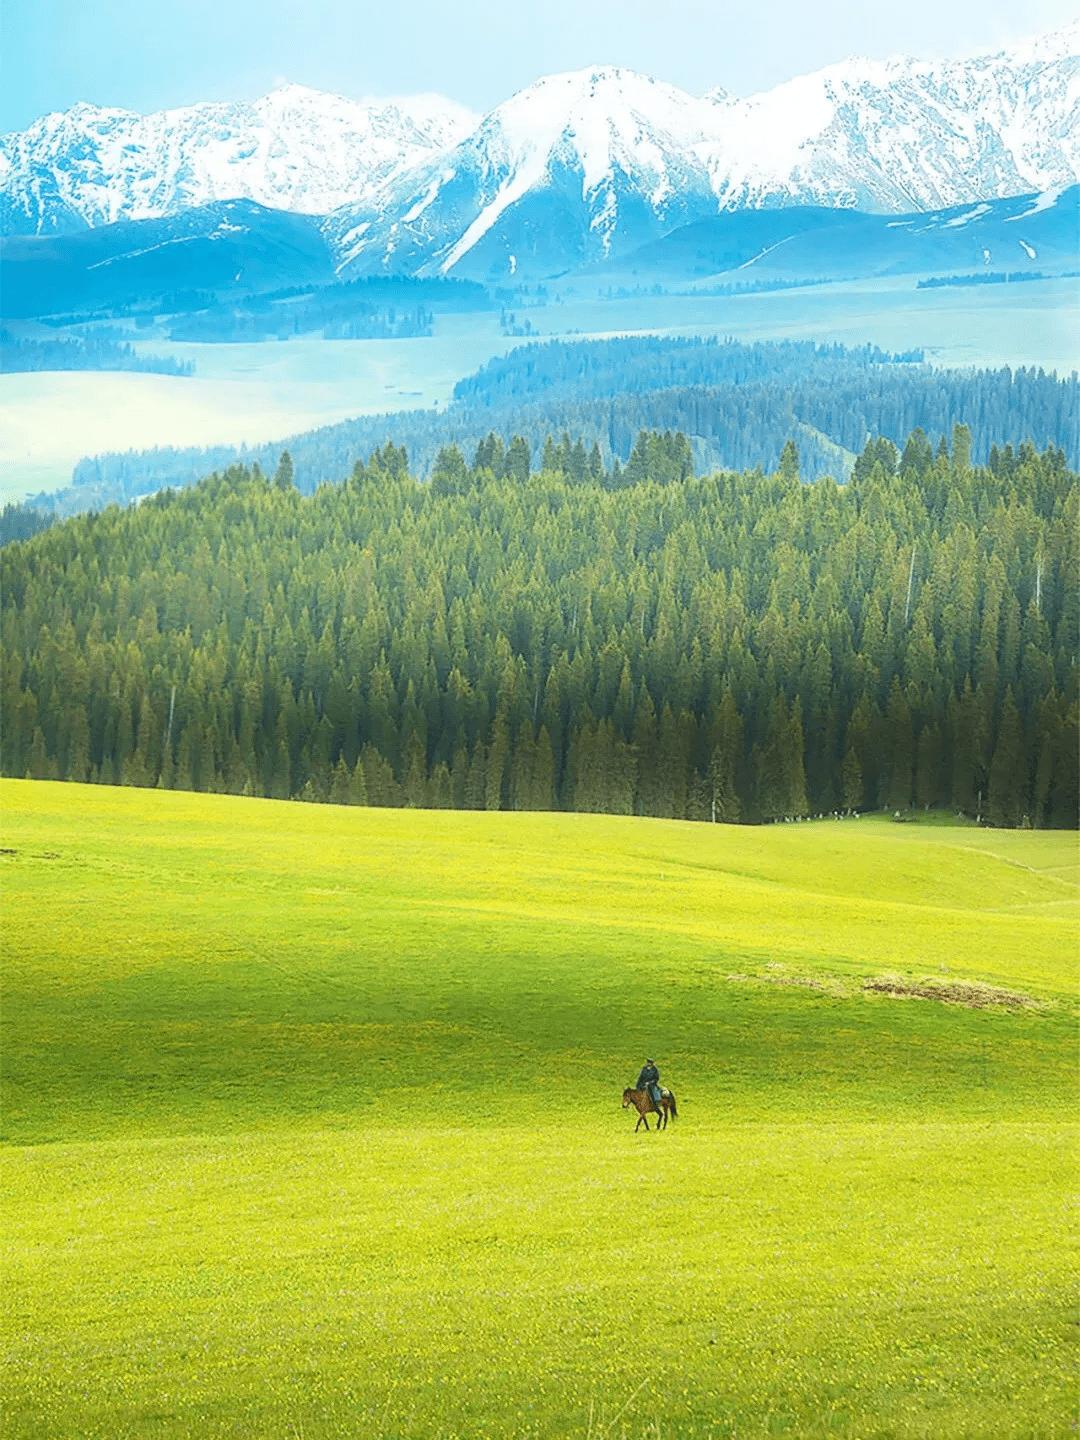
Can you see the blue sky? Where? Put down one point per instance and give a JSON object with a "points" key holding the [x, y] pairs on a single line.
{"points": [[149, 54]]}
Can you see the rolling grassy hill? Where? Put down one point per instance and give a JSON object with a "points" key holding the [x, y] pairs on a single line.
{"points": [[312, 1122]]}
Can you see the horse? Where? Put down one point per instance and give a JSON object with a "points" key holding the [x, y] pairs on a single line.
{"points": [[646, 1106]]}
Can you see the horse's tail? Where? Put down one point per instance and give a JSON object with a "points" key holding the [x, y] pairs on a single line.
{"points": [[674, 1107]]}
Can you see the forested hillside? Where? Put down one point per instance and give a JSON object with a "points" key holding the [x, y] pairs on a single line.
{"points": [[730, 647], [740, 404], [87, 351], [593, 369]]}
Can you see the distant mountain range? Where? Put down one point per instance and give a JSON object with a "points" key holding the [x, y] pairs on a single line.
{"points": [[236, 248], [577, 170], [1024, 235], [295, 149], [585, 168]]}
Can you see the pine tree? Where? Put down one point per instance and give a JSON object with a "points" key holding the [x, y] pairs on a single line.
{"points": [[523, 769], [78, 767], [459, 772], [789, 462], [280, 787], [414, 779], [440, 794], [774, 771], [39, 767], [379, 781], [1008, 771], [961, 450], [622, 710], [617, 771], [969, 744], [544, 773], [476, 786], [341, 786], [517, 459], [851, 781], [900, 732], [1047, 732], [498, 760], [357, 785], [283, 475], [928, 767], [646, 747], [670, 768], [794, 763], [1066, 789], [724, 761], [490, 455], [450, 475], [865, 735]]}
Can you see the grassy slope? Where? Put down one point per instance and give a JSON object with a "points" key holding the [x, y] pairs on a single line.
{"points": [[856, 1227]]}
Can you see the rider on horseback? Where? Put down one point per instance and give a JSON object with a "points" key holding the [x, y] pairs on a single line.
{"points": [[649, 1080]]}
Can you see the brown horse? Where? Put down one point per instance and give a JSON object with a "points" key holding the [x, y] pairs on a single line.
{"points": [[646, 1105]]}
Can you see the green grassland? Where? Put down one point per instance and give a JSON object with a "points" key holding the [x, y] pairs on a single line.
{"points": [[312, 1124]]}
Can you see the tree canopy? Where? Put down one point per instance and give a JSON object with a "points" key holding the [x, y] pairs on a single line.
{"points": [[534, 631]]}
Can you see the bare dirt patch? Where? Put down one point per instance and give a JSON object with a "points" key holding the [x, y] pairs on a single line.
{"points": [[972, 993]]}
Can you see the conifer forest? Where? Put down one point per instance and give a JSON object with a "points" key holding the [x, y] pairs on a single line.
{"points": [[535, 631]]}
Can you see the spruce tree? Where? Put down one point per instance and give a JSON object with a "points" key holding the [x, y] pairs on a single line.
{"points": [[497, 763], [899, 729], [851, 781], [928, 767], [283, 475], [1007, 800]]}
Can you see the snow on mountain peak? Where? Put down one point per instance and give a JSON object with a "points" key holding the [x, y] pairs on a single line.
{"points": [[1052, 45], [596, 145], [588, 162], [903, 134], [294, 149], [614, 157]]}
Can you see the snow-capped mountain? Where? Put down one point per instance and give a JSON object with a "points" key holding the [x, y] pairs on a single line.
{"points": [[584, 167], [576, 169], [904, 134], [576, 166], [295, 149]]}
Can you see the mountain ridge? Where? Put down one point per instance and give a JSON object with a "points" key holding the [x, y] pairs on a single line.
{"points": [[231, 249], [574, 170], [295, 149]]}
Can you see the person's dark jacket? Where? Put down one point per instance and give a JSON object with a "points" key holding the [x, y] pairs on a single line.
{"points": [[649, 1076]]}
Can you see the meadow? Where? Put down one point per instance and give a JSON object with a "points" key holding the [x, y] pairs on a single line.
{"points": [[312, 1124]]}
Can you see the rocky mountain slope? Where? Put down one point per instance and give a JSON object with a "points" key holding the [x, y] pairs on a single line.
{"points": [[586, 167], [576, 169], [295, 149]]}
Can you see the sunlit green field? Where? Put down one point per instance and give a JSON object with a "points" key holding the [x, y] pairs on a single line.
{"points": [[313, 1128]]}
